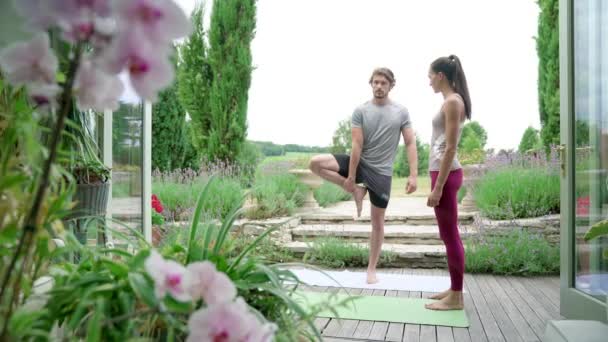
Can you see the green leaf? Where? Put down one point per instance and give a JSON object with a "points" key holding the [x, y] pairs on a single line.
{"points": [[137, 262], [8, 181], [79, 313], [226, 226], [117, 251], [177, 306], [60, 77], [196, 218], [8, 235], [106, 288], [250, 247], [143, 288], [23, 320], [94, 326], [119, 270], [598, 229]]}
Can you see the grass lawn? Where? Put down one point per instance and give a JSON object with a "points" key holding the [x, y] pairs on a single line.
{"points": [[424, 187], [300, 159]]}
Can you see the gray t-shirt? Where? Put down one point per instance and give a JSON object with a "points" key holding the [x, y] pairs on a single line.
{"points": [[382, 127]]}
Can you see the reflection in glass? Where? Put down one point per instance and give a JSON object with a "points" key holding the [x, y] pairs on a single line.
{"points": [[127, 159], [591, 137]]}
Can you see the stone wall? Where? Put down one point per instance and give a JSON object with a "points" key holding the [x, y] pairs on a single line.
{"points": [[547, 226]]}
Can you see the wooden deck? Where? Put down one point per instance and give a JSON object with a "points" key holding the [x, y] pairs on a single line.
{"points": [[499, 308]]}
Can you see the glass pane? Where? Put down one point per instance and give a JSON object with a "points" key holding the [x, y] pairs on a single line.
{"points": [[127, 161], [591, 136]]}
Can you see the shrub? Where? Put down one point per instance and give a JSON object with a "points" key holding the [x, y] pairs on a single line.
{"points": [[223, 195], [462, 192], [277, 195], [337, 253], [248, 160], [517, 193], [329, 193], [179, 199], [517, 253]]}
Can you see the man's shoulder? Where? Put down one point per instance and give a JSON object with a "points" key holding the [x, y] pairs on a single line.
{"points": [[364, 106], [398, 107]]}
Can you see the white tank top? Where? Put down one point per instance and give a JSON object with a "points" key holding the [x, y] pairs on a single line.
{"points": [[438, 143]]}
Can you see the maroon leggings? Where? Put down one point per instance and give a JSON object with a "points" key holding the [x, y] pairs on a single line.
{"points": [[447, 219]]}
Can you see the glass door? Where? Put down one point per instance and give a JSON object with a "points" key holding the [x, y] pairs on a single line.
{"points": [[584, 134]]}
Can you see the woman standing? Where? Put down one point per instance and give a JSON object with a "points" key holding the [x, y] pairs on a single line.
{"points": [[447, 77]]}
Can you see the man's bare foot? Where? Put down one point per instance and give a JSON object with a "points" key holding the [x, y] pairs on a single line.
{"points": [[441, 295], [358, 195], [452, 301], [371, 277]]}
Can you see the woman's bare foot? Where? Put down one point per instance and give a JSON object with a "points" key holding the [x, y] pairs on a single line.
{"points": [[453, 301], [371, 277], [441, 295], [358, 195]]}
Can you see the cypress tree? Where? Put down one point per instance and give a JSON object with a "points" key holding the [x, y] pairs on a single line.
{"points": [[547, 47]]}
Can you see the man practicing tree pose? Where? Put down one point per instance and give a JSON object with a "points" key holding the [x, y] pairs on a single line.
{"points": [[376, 129]]}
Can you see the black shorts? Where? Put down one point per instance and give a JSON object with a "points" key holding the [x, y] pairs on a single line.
{"points": [[378, 186]]}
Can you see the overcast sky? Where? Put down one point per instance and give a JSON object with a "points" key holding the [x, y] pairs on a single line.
{"points": [[313, 59]]}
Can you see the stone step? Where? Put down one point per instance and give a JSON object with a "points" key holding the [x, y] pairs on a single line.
{"points": [[398, 234], [415, 219], [416, 256]]}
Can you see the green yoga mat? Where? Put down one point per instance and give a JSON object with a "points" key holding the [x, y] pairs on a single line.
{"points": [[385, 309]]}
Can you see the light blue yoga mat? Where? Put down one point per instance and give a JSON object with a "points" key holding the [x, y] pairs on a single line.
{"points": [[385, 309]]}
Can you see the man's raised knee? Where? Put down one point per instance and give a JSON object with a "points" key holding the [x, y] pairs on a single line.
{"points": [[314, 164]]}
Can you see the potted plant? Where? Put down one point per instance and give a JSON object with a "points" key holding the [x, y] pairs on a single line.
{"points": [[90, 175]]}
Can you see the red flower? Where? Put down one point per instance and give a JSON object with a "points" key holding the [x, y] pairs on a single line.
{"points": [[158, 207], [582, 206]]}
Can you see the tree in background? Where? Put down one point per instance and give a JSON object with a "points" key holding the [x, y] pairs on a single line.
{"points": [[473, 128], [191, 154], [530, 140], [472, 143], [194, 77], [269, 149], [341, 142], [547, 47], [229, 55], [169, 137], [401, 166], [472, 151], [307, 149]]}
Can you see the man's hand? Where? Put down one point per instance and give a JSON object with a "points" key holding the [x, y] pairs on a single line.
{"points": [[412, 185], [434, 197], [349, 185]]}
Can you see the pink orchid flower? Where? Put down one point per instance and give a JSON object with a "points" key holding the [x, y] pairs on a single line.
{"points": [[37, 13], [148, 67], [207, 283], [160, 21], [263, 333], [78, 18], [96, 89], [44, 95], [227, 322], [29, 62], [168, 276]]}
